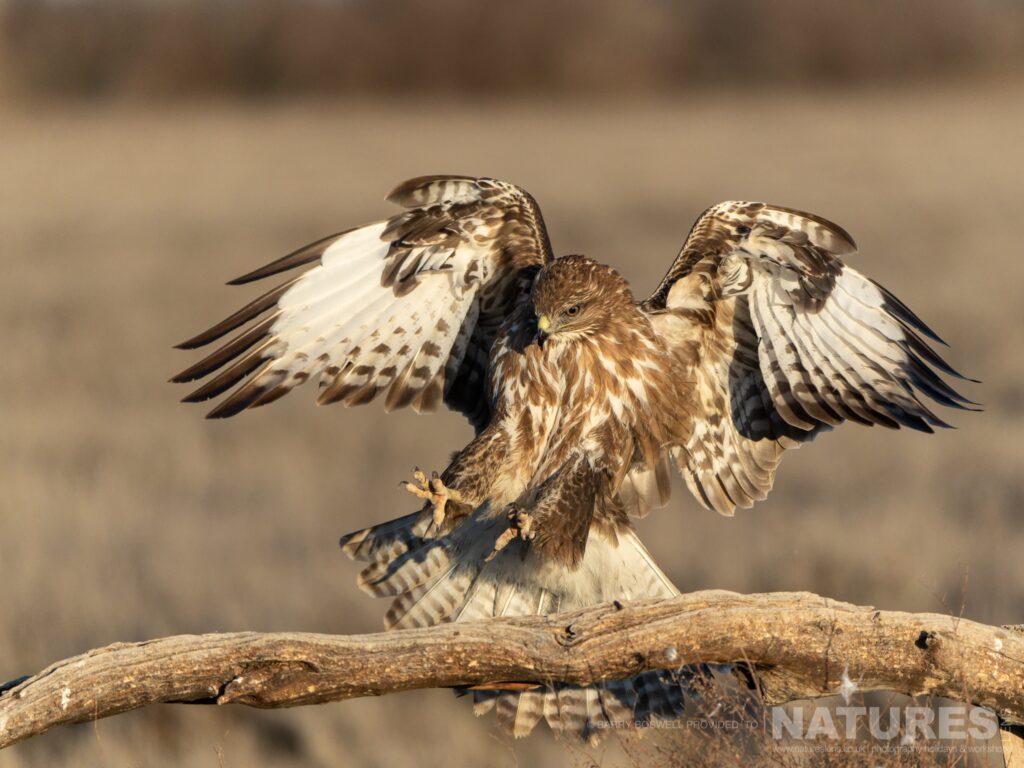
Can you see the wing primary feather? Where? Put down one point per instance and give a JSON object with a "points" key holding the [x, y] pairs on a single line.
{"points": [[897, 378], [925, 379], [905, 314], [851, 398], [304, 255], [862, 392], [229, 376], [250, 311], [270, 395], [250, 394], [229, 351], [922, 421], [917, 346]]}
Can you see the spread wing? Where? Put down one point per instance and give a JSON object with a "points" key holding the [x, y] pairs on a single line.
{"points": [[785, 340], [408, 306]]}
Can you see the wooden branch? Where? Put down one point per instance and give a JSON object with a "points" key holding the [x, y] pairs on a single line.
{"points": [[797, 645]]}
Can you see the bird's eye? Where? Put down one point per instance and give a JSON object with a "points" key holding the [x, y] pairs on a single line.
{"points": [[573, 310]]}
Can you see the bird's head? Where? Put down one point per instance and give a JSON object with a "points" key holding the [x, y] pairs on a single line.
{"points": [[575, 297]]}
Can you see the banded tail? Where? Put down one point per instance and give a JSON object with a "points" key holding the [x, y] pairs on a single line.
{"points": [[435, 579]]}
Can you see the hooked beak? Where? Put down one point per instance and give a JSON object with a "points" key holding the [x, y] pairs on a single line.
{"points": [[543, 328]]}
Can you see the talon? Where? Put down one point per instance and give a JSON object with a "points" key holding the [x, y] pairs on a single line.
{"points": [[433, 490], [520, 527], [502, 541], [415, 490]]}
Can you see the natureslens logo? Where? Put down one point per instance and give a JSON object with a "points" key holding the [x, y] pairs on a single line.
{"points": [[910, 725]]}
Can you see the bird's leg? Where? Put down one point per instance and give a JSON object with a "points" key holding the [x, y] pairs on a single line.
{"points": [[557, 521], [520, 526], [472, 472], [435, 491]]}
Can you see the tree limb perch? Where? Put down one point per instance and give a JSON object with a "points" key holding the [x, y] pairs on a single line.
{"points": [[797, 645]]}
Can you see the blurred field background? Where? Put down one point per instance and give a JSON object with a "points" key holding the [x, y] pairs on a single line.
{"points": [[149, 151]]}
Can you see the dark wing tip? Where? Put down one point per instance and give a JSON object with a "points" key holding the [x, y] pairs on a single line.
{"points": [[296, 258], [906, 315], [194, 343], [230, 407]]}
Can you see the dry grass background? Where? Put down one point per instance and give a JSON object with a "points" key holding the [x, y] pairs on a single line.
{"points": [[150, 50], [125, 515]]}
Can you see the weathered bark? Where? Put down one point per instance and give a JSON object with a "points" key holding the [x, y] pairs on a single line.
{"points": [[797, 645]]}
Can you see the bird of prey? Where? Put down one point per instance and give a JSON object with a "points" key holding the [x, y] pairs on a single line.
{"points": [[759, 337]]}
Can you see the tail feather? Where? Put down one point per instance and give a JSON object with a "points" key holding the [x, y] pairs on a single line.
{"points": [[597, 718], [569, 710], [408, 570], [652, 580], [659, 696], [484, 701], [552, 709], [431, 603], [618, 697], [385, 542], [437, 580], [519, 713], [576, 709], [517, 601], [479, 602]]}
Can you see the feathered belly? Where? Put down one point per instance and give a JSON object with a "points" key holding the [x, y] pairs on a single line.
{"points": [[529, 432], [552, 409]]}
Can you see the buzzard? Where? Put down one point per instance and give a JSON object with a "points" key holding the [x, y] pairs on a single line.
{"points": [[582, 397]]}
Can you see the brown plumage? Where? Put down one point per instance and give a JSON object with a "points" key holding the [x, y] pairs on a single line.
{"points": [[759, 338]]}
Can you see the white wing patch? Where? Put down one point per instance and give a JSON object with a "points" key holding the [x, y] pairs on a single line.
{"points": [[338, 322]]}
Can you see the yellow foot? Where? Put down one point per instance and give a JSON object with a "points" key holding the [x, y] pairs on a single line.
{"points": [[520, 526], [433, 490]]}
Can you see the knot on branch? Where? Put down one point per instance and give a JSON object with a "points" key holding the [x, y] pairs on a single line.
{"points": [[270, 683], [567, 637]]}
